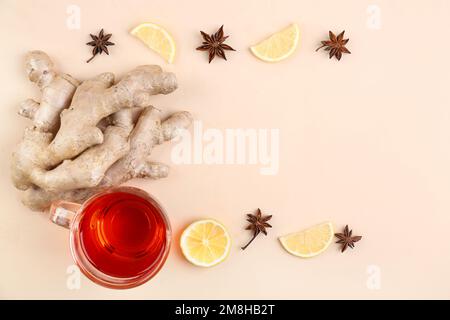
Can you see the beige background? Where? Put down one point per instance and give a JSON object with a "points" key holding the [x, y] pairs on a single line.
{"points": [[364, 141]]}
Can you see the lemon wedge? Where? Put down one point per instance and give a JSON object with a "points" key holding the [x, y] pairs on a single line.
{"points": [[157, 39], [278, 46], [205, 243], [309, 242]]}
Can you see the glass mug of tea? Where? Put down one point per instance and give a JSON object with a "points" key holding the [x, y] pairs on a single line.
{"points": [[119, 238]]}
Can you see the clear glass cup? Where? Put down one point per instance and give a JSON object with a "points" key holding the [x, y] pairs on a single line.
{"points": [[69, 215]]}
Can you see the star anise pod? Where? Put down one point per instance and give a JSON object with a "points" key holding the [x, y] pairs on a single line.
{"points": [[346, 239], [336, 45], [258, 224], [214, 44], [100, 44]]}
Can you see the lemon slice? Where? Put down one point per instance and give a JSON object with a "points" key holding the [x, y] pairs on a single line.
{"points": [[205, 243], [310, 242], [157, 39], [278, 46]]}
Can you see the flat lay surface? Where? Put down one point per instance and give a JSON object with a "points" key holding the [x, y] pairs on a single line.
{"points": [[363, 141]]}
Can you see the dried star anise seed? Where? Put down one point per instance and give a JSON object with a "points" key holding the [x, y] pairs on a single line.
{"points": [[258, 224], [346, 239], [214, 44], [336, 45], [100, 44]]}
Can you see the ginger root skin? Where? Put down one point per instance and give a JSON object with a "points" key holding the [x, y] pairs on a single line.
{"points": [[90, 135]]}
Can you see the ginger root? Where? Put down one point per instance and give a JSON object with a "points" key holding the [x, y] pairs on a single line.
{"points": [[90, 135]]}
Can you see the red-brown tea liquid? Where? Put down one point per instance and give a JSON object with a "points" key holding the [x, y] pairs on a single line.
{"points": [[122, 234]]}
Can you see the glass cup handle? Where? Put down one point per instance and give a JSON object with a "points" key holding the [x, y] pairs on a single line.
{"points": [[62, 212]]}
